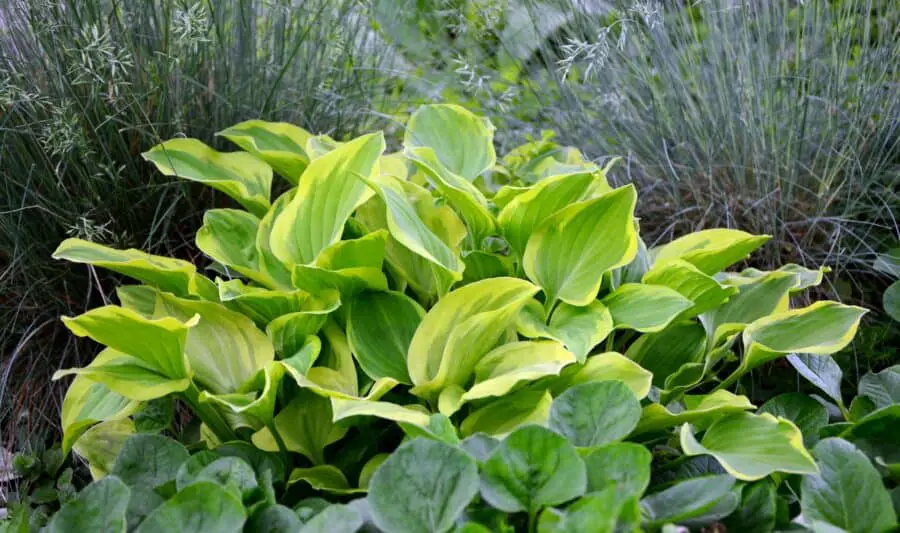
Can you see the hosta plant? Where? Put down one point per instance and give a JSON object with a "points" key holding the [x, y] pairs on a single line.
{"points": [[434, 339]]}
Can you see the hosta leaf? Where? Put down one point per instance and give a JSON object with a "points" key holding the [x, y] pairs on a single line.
{"points": [[348, 267], [663, 353], [279, 144], [201, 508], [623, 465], [579, 328], [88, 402], [809, 415], [100, 445], [289, 333], [594, 414], [229, 237], [149, 460], [703, 290], [225, 348], [262, 305], [756, 299], [532, 468], [569, 253], [847, 492], [607, 366], [710, 250], [804, 278], [328, 193], [482, 265], [238, 174], [172, 275], [690, 500], [594, 513], [882, 387], [699, 410], [423, 486], [505, 414], [460, 329], [821, 329], [751, 447], [501, 369], [411, 226], [645, 308], [380, 327], [99, 507], [468, 151], [325, 478], [822, 371], [274, 267], [305, 425], [346, 408], [468, 201], [524, 213], [253, 404]]}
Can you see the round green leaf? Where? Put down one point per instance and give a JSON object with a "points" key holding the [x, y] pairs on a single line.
{"points": [[891, 301], [275, 519], [189, 469], [809, 415], [532, 468], [623, 465], [697, 500], [423, 486], [100, 506], [149, 460], [199, 508], [594, 513], [593, 414], [847, 492], [883, 387], [334, 519]]}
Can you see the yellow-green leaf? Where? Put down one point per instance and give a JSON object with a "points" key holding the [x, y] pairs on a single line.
{"points": [[238, 174], [229, 237], [325, 478], [100, 445], [645, 308], [569, 253], [328, 193], [579, 328], [710, 250], [348, 267], [279, 144], [664, 352], [750, 447], [288, 332], [698, 410], [703, 290], [462, 141], [305, 426], [609, 366], [505, 414]]}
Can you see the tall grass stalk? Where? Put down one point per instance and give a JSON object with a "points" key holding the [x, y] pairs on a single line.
{"points": [[86, 85]]}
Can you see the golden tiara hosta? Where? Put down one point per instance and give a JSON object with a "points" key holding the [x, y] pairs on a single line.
{"points": [[412, 328]]}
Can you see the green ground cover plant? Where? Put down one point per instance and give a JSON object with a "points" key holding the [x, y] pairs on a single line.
{"points": [[436, 339]]}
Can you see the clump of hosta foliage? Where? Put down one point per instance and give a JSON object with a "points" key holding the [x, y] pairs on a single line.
{"points": [[434, 339]]}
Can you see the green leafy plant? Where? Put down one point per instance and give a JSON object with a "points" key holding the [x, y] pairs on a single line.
{"points": [[449, 340]]}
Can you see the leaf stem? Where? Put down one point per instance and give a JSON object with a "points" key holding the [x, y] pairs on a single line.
{"points": [[532, 521], [611, 341]]}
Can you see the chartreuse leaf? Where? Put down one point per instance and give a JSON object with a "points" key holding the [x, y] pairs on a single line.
{"points": [[225, 348], [532, 468], [346, 408], [348, 267], [204, 507], [238, 174], [505, 414], [100, 444], [699, 410], [751, 447], [328, 193], [465, 197], [269, 263], [594, 513], [703, 498], [607, 366], [570, 251], [229, 237], [504, 367], [756, 299], [710, 250], [423, 486], [325, 478], [253, 404], [578, 328], [149, 460], [380, 327], [623, 465], [88, 402], [809, 415], [148, 356], [289, 332], [171, 275], [645, 308], [524, 213], [415, 227], [279, 144], [594, 414], [820, 329], [690, 282], [305, 425], [460, 329], [99, 507], [467, 152], [259, 304], [663, 353], [804, 278], [847, 492], [882, 387]]}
